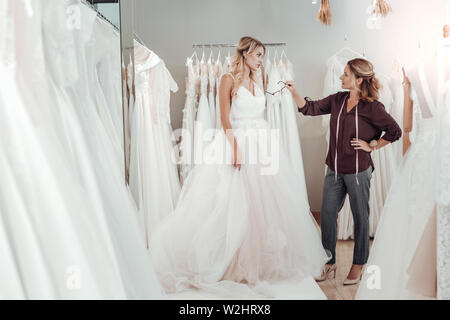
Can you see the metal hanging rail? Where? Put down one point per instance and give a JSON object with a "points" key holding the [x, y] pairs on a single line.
{"points": [[90, 5], [87, 3], [222, 45]]}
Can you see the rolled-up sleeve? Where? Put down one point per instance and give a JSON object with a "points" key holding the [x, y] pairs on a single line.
{"points": [[384, 122], [318, 107]]}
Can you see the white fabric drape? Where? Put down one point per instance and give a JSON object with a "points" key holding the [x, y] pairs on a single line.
{"points": [[68, 225]]}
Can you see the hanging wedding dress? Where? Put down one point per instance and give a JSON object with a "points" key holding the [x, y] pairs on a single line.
{"points": [[432, 251], [218, 69], [189, 112], [289, 122], [102, 41], [221, 69], [443, 198], [32, 266], [109, 76], [211, 91], [407, 210], [238, 232], [60, 193], [396, 87], [274, 101], [203, 124], [153, 172]]}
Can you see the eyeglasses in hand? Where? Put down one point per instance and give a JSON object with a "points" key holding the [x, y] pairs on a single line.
{"points": [[274, 93]]}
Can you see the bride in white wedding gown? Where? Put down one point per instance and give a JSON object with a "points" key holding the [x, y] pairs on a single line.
{"points": [[241, 228]]}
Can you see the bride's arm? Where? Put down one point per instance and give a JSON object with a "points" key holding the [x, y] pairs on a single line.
{"points": [[226, 86]]}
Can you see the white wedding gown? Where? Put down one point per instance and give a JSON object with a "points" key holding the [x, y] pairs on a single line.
{"points": [[154, 180], [65, 213], [407, 210], [189, 111], [238, 232]]}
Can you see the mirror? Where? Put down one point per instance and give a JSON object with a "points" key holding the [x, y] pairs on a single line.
{"points": [[116, 18]]}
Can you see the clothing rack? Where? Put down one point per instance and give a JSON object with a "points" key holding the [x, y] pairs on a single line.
{"points": [[221, 45], [90, 5], [101, 16]]}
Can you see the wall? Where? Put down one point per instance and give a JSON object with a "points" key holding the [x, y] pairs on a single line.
{"points": [[171, 27]]}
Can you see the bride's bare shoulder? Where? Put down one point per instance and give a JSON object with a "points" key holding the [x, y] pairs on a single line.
{"points": [[226, 81]]}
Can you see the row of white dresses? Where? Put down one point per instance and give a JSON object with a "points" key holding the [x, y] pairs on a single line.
{"points": [[282, 111], [68, 227], [201, 112], [154, 180], [387, 160]]}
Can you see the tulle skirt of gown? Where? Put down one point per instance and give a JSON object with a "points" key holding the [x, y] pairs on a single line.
{"points": [[238, 230]]}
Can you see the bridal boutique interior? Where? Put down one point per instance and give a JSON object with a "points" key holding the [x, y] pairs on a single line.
{"points": [[106, 108]]}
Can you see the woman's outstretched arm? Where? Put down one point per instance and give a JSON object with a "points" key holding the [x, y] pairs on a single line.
{"points": [[308, 107]]}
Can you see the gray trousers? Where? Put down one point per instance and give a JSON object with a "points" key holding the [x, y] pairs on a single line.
{"points": [[334, 193]]}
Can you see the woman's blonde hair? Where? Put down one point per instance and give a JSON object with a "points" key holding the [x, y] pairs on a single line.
{"points": [[370, 85], [246, 44]]}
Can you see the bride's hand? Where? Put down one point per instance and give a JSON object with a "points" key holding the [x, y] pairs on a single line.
{"points": [[237, 158], [290, 85]]}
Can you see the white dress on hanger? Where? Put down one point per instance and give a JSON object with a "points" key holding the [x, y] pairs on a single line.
{"points": [[274, 101], [218, 69], [103, 41], [109, 76], [407, 210], [211, 92], [153, 172], [289, 123], [55, 183], [203, 124], [234, 226], [443, 197], [221, 69], [189, 110]]}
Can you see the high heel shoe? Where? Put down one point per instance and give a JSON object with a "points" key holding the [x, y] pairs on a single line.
{"points": [[327, 273], [353, 281]]}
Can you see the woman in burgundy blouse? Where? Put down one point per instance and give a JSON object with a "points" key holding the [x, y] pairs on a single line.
{"points": [[357, 124]]}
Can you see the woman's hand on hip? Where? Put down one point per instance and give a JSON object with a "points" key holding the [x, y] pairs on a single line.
{"points": [[359, 144]]}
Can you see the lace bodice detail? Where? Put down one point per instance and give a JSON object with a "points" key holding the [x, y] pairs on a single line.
{"points": [[246, 107]]}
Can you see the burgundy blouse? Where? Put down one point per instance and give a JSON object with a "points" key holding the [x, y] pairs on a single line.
{"points": [[372, 121]]}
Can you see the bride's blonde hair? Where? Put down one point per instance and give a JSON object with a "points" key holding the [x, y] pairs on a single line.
{"points": [[246, 44]]}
